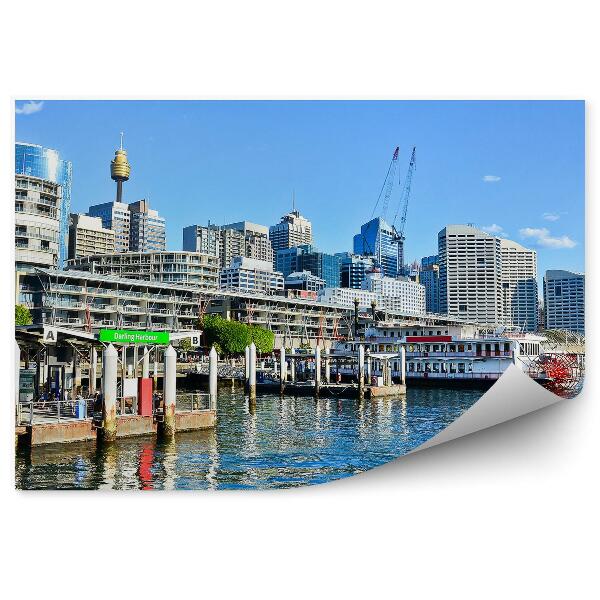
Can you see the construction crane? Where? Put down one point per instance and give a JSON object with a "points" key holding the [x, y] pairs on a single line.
{"points": [[405, 196], [387, 186]]}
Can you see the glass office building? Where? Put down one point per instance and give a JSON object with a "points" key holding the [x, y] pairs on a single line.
{"points": [[45, 163], [377, 239]]}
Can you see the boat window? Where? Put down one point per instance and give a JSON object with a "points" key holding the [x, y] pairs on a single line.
{"points": [[427, 368], [436, 367], [452, 348], [468, 346], [452, 368], [507, 347], [427, 346], [439, 333], [419, 367], [411, 366], [443, 366], [436, 348], [470, 367], [461, 367], [461, 347]]}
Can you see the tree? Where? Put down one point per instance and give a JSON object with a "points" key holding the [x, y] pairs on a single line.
{"points": [[22, 315], [264, 339], [232, 337], [185, 345]]}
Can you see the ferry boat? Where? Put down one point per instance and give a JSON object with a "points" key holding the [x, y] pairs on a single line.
{"points": [[464, 355]]}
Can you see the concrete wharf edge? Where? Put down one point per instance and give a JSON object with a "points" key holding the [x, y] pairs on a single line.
{"points": [[127, 426]]}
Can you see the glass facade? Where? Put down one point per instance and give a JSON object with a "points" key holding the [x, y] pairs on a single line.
{"points": [[377, 239], [45, 163]]}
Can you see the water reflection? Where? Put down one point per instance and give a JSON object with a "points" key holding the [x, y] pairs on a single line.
{"points": [[275, 442]]}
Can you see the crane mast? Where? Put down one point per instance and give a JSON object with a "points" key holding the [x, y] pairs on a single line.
{"points": [[405, 197]]}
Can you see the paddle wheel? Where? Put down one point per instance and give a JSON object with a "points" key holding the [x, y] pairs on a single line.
{"points": [[559, 372]]}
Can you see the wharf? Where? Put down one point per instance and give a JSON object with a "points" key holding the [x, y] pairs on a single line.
{"points": [[330, 390]]}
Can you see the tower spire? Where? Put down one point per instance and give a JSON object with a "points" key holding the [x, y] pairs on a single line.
{"points": [[121, 140]]}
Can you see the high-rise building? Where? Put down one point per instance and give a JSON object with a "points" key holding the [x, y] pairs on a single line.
{"points": [[46, 164], [251, 275], [146, 228], [304, 281], [378, 239], [286, 259], [293, 230], [228, 241], [182, 268], [519, 285], [323, 265], [37, 222], [564, 300], [87, 237], [429, 276], [470, 263], [200, 238], [115, 216], [353, 269], [409, 294]]}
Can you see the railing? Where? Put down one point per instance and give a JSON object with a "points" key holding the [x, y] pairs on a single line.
{"points": [[40, 412], [192, 402], [63, 286]]}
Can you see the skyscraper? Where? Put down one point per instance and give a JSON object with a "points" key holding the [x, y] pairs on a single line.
{"points": [[564, 300], [519, 285], [87, 237], [470, 263], [378, 239], [353, 269], [115, 216], [45, 163], [293, 230], [146, 228], [429, 276]]}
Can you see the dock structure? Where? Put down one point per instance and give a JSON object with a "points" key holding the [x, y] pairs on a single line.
{"points": [[49, 400]]}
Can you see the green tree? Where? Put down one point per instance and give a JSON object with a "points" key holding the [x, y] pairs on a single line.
{"points": [[22, 315], [231, 336], [264, 339], [185, 345]]}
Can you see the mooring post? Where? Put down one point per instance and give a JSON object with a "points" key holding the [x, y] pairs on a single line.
{"points": [[327, 367], [369, 365], [213, 361], [292, 365], [76, 381], [170, 391], [402, 366], [155, 369], [317, 370], [92, 373], [110, 359], [17, 372], [361, 371], [252, 374], [247, 367], [282, 370], [146, 363]]}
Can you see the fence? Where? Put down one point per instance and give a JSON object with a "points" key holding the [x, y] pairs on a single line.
{"points": [[53, 411]]}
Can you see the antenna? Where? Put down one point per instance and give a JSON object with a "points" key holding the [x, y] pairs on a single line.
{"points": [[293, 200], [121, 140]]}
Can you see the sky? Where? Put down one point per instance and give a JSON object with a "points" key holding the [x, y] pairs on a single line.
{"points": [[514, 168]]}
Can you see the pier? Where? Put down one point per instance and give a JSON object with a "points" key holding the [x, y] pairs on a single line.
{"points": [[50, 406]]}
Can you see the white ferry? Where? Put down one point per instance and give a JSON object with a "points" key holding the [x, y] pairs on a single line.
{"points": [[461, 354]]}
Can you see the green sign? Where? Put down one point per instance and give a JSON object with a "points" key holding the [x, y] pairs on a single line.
{"points": [[126, 336]]}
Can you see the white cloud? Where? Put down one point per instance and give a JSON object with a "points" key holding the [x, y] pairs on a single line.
{"points": [[491, 178], [543, 238], [493, 228], [550, 216], [29, 107]]}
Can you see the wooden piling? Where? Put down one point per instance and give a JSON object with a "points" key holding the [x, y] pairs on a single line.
{"points": [[110, 360], [317, 370], [169, 392], [282, 371], [213, 361], [361, 372], [252, 374]]}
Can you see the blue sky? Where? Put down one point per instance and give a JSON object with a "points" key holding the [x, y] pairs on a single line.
{"points": [[516, 168]]}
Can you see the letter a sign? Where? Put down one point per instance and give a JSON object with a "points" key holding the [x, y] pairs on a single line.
{"points": [[50, 335]]}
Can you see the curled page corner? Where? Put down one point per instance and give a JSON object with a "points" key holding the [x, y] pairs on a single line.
{"points": [[513, 395]]}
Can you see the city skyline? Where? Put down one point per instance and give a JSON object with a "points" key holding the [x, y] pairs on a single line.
{"points": [[511, 167]]}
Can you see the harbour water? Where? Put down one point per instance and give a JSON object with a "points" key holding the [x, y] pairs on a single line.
{"points": [[281, 442]]}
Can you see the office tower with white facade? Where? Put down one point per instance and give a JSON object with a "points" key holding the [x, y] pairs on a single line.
{"points": [[378, 239], [45, 164], [429, 276], [146, 228], [564, 300], [115, 216], [305, 281], [37, 222], [87, 237], [410, 294], [470, 262], [251, 275], [519, 286], [293, 230]]}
